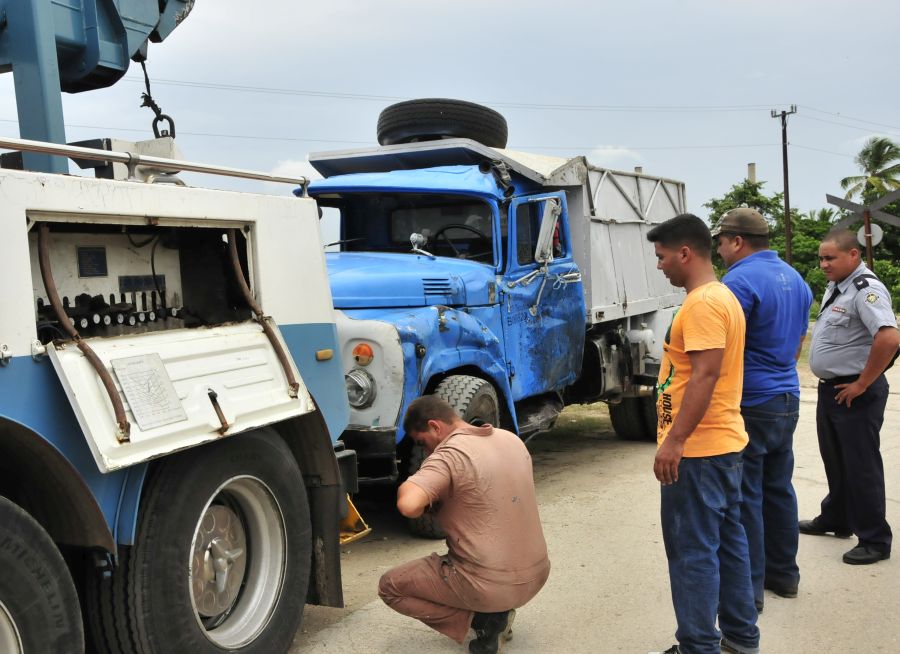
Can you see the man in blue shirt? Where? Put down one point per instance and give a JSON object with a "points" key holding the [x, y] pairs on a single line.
{"points": [[776, 304]]}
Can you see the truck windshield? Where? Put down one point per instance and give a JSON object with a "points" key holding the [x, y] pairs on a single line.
{"points": [[451, 226]]}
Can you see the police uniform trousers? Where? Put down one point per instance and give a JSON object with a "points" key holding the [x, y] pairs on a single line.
{"points": [[849, 442]]}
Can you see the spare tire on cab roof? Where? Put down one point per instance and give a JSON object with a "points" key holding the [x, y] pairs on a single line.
{"points": [[437, 118]]}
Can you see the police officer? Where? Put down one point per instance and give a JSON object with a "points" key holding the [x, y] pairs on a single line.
{"points": [[854, 340]]}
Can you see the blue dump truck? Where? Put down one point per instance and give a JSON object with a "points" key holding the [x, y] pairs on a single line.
{"points": [[170, 400], [511, 284]]}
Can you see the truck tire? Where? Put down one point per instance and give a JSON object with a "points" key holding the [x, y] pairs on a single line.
{"points": [[473, 398], [634, 418], [39, 610], [221, 560], [437, 118]]}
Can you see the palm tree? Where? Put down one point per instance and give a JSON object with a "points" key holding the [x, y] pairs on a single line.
{"points": [[879, 159]]}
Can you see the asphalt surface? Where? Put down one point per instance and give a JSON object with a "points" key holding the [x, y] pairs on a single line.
{"points": [[608, 589]]}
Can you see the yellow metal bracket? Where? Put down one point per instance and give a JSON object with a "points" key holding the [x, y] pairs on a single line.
{"points": [[353, 527]]}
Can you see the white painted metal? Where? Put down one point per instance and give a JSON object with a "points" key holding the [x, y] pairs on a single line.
{"points": [[287, 273], [386, 368], [235, 361], [284, 233], [122, 258]]}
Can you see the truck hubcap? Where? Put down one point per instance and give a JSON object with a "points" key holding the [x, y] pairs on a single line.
{"points": [[219, 548], [238, 558], [10, 641]]}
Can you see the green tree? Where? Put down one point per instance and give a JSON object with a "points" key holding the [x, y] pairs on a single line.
{"points": [[746, 194], [808, 228], [879, 160]]}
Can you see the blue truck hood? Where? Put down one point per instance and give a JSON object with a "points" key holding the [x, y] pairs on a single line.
{"points": [[365, 280]]}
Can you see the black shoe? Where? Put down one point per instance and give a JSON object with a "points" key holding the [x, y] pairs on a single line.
{"points": [[782, 590], [673, 650], [759, 605], [818, 527], [730, 648], [866, 554], [489, 629]]}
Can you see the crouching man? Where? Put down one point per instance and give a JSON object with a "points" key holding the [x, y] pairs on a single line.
{"points": [[479, 482]]}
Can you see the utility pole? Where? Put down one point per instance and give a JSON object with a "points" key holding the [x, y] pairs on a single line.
{"points": [[787, 198]]}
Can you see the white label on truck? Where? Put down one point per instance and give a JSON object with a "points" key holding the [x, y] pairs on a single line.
{"points": [[149, 391]]}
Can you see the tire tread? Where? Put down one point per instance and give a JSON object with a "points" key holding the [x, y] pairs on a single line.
{"points": [[458, 391], [434, 118]]}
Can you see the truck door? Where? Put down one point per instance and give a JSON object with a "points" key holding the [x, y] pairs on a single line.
{"points": [[543, 306]]}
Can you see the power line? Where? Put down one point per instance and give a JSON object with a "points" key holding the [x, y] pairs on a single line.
{"points": [[253, 137], [589, 148], [807, 147], [564, 148], [505, 104], [858, 120], [576, 148], [847, 125]]}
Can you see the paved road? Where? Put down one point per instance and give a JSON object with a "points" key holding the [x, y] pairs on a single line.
{"points": [[609, 591]]}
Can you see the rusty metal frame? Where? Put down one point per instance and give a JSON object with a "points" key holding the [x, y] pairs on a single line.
{"points": [[261, 318], [123, 434]]}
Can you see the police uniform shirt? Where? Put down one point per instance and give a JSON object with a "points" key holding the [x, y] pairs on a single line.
{"points": [[843, 333]]}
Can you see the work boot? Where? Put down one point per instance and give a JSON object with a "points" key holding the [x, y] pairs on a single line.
{"points": [[818, 527], [866, 554], [490, 628]]}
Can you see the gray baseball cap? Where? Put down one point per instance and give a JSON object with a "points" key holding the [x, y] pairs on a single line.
{"points": [[741, 221]]}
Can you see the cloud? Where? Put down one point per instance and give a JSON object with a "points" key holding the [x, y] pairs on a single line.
{"points": [[288, 168], [613, 156], [295, 167]]}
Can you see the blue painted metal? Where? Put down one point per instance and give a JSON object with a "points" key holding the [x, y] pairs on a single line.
{"points": [[465, 342], [544, 347], [32, 396], [365, 280], [73, 45], [464, 180], [28, 49], [130, 503], [324, 379]]}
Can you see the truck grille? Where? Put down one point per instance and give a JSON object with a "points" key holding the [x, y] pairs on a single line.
{"points": [[437, 286]]}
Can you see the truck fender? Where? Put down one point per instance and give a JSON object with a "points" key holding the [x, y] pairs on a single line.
{"points": [[62, 502], [309, 440], [453, 341]]}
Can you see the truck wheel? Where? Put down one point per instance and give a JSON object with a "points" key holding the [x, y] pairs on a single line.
{"points": [[39, 610], [634, 418], [437, 118], [474, 399], [221, 560]]}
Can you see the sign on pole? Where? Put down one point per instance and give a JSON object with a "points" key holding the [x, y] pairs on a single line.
{"points": [[866, 214]]}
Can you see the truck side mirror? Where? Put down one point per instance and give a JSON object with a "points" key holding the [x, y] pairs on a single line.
{"points": [[543, 252]]}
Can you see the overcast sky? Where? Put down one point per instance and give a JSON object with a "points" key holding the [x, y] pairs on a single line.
{"points": [[683, 89]]}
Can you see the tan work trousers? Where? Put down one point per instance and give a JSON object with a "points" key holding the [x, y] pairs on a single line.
{"points": [[432, 589]]}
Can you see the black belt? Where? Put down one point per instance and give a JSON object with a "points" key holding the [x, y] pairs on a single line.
{"points": [[847, 379]]}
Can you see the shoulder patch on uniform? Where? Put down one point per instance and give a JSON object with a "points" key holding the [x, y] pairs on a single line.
{"points": [[871, 298], [860, 283]]}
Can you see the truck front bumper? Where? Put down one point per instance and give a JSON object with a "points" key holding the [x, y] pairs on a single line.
{"points": [[376, 452]]}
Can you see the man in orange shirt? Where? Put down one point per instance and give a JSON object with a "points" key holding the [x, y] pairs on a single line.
{"points": [[701, 436]]}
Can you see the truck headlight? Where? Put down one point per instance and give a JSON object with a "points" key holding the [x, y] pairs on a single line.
{"points": [[360, 388]]}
